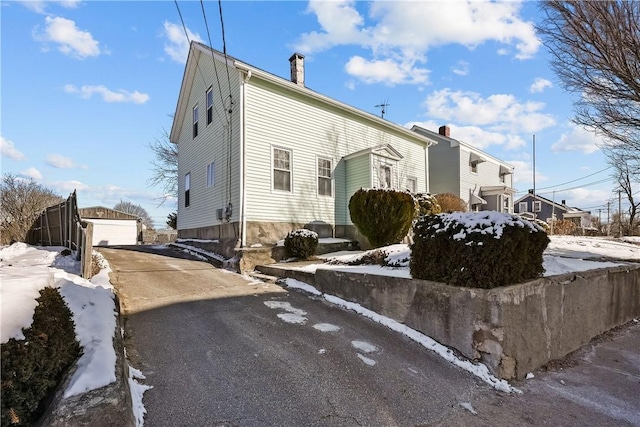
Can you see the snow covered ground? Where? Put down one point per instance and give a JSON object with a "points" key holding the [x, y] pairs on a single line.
{"points": [[24, 270]]}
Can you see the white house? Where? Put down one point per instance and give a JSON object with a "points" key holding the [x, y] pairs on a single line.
{"points": [[260, 155], [481, 180]]}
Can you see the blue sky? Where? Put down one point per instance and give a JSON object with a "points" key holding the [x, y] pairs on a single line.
{"points": [[86, 86]]}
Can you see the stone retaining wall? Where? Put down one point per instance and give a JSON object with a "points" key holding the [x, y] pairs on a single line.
{"points": [[513, 330]]}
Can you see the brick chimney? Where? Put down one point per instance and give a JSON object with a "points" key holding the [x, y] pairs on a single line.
{"points": [[297, 68], [445, 131]]}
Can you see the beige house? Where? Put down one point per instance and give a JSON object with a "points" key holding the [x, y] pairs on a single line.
{"points": [[260, 155]]}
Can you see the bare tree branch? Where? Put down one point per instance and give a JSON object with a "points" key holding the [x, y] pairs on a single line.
{"points": [[21, 202], [137, 210], [165, 167]]}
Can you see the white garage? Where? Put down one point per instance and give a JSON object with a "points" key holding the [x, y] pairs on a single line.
{"points": [[111, 227], [114, 231]]}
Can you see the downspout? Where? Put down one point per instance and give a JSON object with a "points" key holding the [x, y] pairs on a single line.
{"points": [[426, 167], [243, 185]]}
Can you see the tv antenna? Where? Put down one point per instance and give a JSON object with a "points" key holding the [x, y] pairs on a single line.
{"points": [[383, 107]]}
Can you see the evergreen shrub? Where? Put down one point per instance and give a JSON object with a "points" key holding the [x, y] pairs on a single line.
{"points": [[32, 367], [301, 243], [477, 249], [383, 216], [427, 204]]}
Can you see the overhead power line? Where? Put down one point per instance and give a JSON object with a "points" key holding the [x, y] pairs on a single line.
{"points": [[574, 180]]}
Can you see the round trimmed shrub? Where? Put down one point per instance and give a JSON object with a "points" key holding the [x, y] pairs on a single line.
{"points": [[477, 249], [427, 204], [32, 367], [383, 216], [301, 243]]}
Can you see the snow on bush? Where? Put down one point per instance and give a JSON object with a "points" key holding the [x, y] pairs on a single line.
{"points": [[301, 243]]}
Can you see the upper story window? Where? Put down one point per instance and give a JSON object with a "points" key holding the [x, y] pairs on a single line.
{"points": [[522, 207], [502, 178], [325, 177], [209, 106], [195, 120], [187, 188], [537, 206], [211, 174], [281, 169], [412, 184]]}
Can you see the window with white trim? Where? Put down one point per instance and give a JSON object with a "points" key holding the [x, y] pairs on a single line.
{"points": [[412, 184], [506, 202], [209, 106], [473, 167], [325, 177], [211, 174], [502, 178], [195, 120], [281, 169], [187, 188], [537, 206], [385, 176], [522, 207]]}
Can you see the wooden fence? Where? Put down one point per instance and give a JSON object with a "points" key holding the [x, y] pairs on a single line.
{"points": [[60, 225]]}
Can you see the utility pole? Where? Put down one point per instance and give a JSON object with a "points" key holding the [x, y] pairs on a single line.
{"points": [[608, 223], [534, 177], [620, 213]]}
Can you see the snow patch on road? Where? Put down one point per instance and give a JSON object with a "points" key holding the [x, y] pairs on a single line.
{"points": [[364, 346], [283, 305], [326, 327], [137, 392], [293, 318], [366, 360]]}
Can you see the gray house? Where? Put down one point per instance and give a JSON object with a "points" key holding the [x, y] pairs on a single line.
{"points": [[484, 182], [530, 207], [260, 155]]}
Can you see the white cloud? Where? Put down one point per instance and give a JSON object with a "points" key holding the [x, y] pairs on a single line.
{"points": [[32, 173], [386, 71], [476, 136], [577, 139], [177, 44], [461, 69], [71, 40], [584, 197], [499, 112], [523, 173], [40, 6], [67, 186], [59, 161], [108, 95], [405, 31], [539, 85], [8, 149]]}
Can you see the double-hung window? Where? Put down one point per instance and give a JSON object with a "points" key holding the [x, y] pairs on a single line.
{"points": [[281, 169], [195, 120], [211, 174], [537, 206], [325, 177], [522, 207], [412, 184], [209, 106], [385, 177], [187, 188]]}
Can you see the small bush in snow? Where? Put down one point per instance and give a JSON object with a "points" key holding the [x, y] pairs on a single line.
{"points": [[383, 216], [450, 203], [428, 204], [477, 249], [301, 243], [32, 367]]}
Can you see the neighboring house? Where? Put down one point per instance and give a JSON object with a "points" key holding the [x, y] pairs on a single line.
{"points": [[112, 227], [530, 207], [484, 182], [276, 155]]}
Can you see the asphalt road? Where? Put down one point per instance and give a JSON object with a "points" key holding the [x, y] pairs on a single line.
{"points": [[220, 349]]}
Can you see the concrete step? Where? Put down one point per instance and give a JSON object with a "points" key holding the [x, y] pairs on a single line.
{"points": [[264, 277]]}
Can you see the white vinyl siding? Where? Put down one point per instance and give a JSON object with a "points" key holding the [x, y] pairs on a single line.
{"points": [[325, 177], [213, 142], [277, 117]]}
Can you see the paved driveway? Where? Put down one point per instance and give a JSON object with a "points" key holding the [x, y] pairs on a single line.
{"points": [[220, 349]]}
